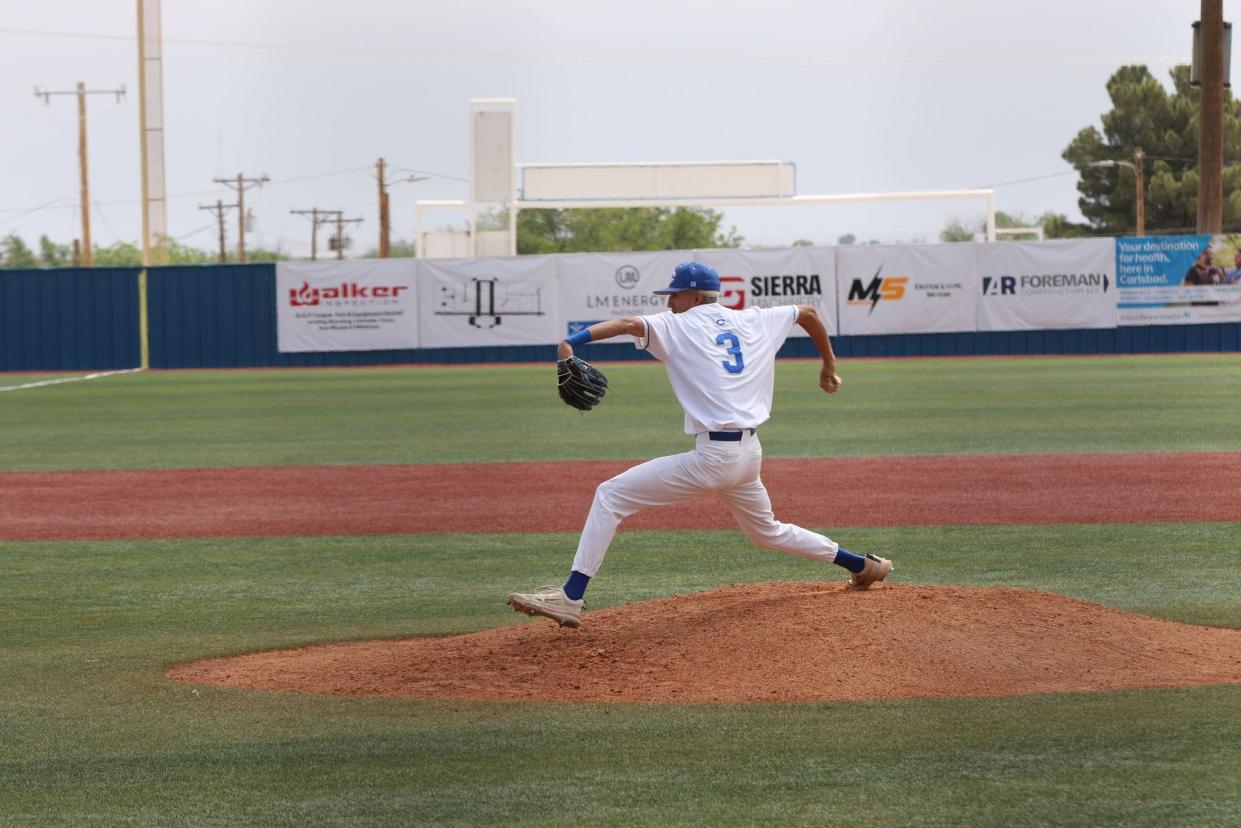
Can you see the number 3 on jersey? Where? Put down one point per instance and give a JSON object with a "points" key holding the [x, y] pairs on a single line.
{"points": [[734, 350]]}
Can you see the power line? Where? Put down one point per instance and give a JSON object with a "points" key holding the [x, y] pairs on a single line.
{"points": [[432, 174], [106, 223], [193, 232], [1065, 61], [320, 175], [1027, 180], [28, 211], [200, 193]]}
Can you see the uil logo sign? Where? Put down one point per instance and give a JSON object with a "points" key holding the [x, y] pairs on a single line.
{"points": [[880, 287], [628, 277]]}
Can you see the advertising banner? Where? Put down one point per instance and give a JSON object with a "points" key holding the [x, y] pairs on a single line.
{"points": [[1068, 283], [1178, 280], [599, 286], [352, 305], [768, 278], [907, 289], [475, 302]]}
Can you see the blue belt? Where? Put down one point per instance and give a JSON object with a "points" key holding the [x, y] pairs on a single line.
{"points": [[728, 436]]}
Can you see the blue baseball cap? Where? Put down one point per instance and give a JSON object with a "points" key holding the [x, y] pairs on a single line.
{"points": [[692, 276]]}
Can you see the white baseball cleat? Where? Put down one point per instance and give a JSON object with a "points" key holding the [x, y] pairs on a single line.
{"points": [[876, 569], [549, 602]]}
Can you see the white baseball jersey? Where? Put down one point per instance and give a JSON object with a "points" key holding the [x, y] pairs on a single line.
{"points": [[721, 362]]}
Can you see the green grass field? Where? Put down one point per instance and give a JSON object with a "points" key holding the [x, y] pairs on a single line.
{"points": [[440, 415], [95, 735]]}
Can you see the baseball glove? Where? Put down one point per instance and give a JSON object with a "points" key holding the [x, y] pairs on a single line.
{"points": [[580, 384]]}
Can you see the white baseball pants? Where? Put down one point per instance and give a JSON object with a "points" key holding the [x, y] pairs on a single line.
{"points": [[728, 468]]}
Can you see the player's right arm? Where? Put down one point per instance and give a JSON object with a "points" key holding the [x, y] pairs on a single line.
{"points": [[606, 329], [809, 320]]}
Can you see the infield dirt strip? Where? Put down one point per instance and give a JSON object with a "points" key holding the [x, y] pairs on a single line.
{"points": [[554, 497], [747, 643]]}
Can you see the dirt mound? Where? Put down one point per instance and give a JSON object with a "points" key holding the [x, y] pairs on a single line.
{"points": [[781, 641]]}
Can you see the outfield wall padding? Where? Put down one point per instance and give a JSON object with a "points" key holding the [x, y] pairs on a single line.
{"points": [[69, 319], [223, 316]]}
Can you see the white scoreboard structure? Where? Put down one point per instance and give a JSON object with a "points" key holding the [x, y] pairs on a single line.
{"points": [[499, 185]]}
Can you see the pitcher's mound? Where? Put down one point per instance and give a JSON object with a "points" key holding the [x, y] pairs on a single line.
{"points": [[770, 642]]}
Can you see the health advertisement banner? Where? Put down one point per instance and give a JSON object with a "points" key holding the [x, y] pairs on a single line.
{"points": [[362, 305], [598, 286], [907, 289], [501, 301], [1067, 283], [768, 278], [1178, 280]]}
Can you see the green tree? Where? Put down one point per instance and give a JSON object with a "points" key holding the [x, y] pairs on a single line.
{"points": [[397, 249], [14, 252], [52, 254], [1058, 226], [261, 254], [621, 229], [957, 231], [181, 254], [847, 238], [1165, 125], [1055, 226], [118, 254]]}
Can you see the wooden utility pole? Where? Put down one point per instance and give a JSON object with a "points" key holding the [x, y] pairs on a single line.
{"points": [[240, 184], [218, 209], [317, 217], [385, 226], [88, 256], [341, 221], [1211, 120], [385, 214], [1138, 170]]}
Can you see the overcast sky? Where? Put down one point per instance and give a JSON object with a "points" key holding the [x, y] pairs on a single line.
{"points": [[884, 95]]}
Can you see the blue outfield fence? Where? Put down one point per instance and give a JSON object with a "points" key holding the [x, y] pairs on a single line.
{"points": [[69, 320], [224, 316]]}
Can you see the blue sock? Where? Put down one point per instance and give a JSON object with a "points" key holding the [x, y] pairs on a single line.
{"points": [[851, 562], [575, 587]]}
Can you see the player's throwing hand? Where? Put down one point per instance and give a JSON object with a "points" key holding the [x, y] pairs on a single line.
{"points": [[828, 380]]}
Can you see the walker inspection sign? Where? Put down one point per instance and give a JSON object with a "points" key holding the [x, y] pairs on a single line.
{"points": [[363, 305], [1177, 280]]}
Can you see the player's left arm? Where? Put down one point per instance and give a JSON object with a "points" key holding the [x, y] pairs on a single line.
{"points": [[809, 320], [601, 330]]}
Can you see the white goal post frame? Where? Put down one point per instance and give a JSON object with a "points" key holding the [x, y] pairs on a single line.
{"points": [[987, 195], [494, 173]]}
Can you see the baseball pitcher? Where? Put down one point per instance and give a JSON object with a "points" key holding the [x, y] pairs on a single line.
{"points": [[721, 364]]}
